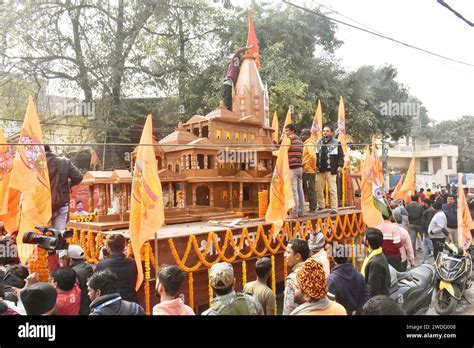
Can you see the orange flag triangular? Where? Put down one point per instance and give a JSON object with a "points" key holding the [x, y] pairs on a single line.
{"points": [[371, 215], [9, 198], [288, 119], [398, 186], [377, 162], [30, 176], [464, 218], [147, 211], [252, 41], [409, 184], [341, 127], [317, 126], [275, 126], [281, 195]]}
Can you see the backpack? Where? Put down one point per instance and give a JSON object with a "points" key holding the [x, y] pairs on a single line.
{"points": [[238, 307]]}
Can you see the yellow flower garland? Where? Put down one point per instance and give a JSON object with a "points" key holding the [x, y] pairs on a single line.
{"points": [[244, 273], [191, 289], [147, 278], [274, 282], [38, 262], [211, 291]]}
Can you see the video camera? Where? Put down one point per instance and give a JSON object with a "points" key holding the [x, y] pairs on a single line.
{"points": [[51, 239]]}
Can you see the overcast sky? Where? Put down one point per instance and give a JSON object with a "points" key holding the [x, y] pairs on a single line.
{"points": [[445, 88]]}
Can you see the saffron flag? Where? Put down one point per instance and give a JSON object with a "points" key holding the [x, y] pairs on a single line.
{"points": [[252, 41], [275, 126], [9, 198], [377, 163], [398, 186], [281, 195], [341, 126], [465, 223], [288, 119], [317, 126], [409, 184], [372, 200], [30, 176], [147, 211]]}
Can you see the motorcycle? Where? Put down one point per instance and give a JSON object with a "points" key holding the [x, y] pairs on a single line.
{"points": [[453, 278], [413, 289]]}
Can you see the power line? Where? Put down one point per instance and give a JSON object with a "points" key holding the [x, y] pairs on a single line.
{"points": [[379, 35], [456, 12]]}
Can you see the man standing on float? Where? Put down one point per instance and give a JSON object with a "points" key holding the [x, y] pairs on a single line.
{"points": [[232, 73]]}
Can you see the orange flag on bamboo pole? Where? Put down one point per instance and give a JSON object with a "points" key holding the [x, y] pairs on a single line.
{"points": [[398, 186], [252, 41], [377, 162], [465, 223], [281, 195], [288, 119], [317, 126], [341, 126], [276, 130], [409, 184], [147, 211], [372, 202], [9, 198], [30, 176]]}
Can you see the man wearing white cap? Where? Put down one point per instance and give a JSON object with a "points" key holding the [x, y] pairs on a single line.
{"points": [[74, 257]]}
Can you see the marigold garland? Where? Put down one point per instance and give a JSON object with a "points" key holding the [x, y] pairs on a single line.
{"points": [[75, 237], [147, 279], [285, 267], [274, 282], [99, 243], [38, 262], [191, 289], [244, 273], [211, 291]]}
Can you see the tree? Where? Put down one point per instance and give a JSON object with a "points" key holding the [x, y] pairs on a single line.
{"points": [[457, 132]]}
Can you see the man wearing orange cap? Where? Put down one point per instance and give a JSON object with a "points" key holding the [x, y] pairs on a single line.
{"points": [[311, 291]]}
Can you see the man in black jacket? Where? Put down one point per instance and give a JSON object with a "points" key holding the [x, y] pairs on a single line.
{"points": [[375, 267], [125, 269], [102, 291], [415, 212], [428, 214], [63, 174], [329, 163], [450, 209]]}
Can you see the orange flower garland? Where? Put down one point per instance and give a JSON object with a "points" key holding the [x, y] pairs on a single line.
{"points": [[274, 281], [38, 262], [99, 243], [75, 237], [211, 291], [244, 273], [91, 248], [191, 289], [147, 279], [285, 268]]}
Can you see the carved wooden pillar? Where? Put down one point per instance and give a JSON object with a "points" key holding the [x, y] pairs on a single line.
{"points": [[170, 195], [231, 206], [211, 195], [183, 190], [241, 195], [194, 195], [102, 201], [91, 198]]}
